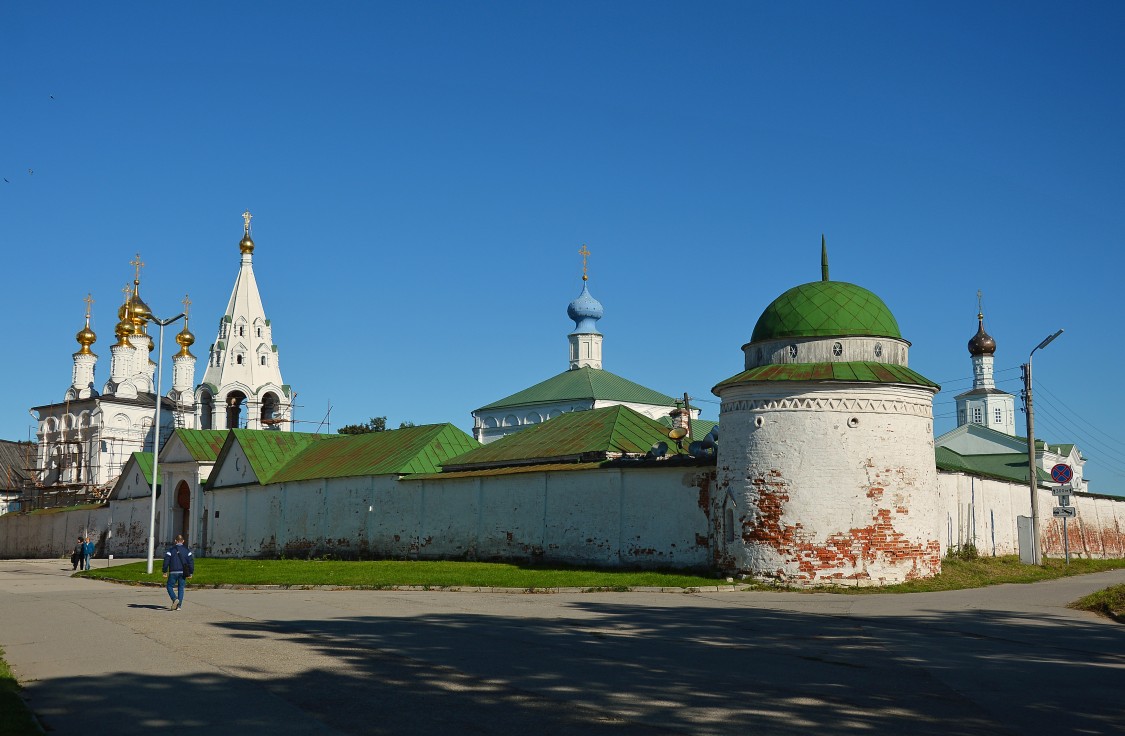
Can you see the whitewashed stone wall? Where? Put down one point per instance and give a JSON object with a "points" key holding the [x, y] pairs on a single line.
{"points": [[643, 517], [983, 513], [823, 484], [44, 535]]}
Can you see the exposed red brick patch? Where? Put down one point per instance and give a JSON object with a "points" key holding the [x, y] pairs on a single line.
{"points": [[842, 556]]}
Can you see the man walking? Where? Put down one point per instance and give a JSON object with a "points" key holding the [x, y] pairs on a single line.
{"points": [[77, 555], [179, 565]]}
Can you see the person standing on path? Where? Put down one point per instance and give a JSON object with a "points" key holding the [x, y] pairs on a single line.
{"points": [[179, 565], [87, 553], [76, 555]]}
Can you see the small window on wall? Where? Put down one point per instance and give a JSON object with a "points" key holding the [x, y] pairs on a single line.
{"points": [[978, 415], [263, 360], [998, 416], [259, 332], [238, 359], [837, 349]]}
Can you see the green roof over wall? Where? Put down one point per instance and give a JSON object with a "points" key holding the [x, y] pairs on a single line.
{"points": [[587, 435], [1011, 467], [268, 451], [851, 372], [202, 444], [419, 449], [826, 309], [144, 463], [583, 383]]}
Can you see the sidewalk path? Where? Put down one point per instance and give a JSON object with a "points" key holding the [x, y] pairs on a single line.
{"points": [[101, 658]]}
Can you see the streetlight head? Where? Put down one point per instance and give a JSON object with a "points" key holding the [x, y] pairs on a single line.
{"points": [[1048, 341]]}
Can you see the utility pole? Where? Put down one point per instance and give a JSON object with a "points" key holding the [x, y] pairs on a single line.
{"points": [[1034, 480], [1032, 476]]}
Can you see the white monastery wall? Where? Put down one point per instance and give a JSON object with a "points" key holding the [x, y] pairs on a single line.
{"points": [[646, 517]]}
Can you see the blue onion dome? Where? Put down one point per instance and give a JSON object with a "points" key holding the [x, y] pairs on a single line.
{"points": [[585, 311]]}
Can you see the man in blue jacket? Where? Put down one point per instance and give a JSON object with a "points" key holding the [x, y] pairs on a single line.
{"points": [[179, 565], [87, 552]]}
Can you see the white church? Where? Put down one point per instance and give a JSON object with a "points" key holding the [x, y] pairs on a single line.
{"points": [[85, 440]]}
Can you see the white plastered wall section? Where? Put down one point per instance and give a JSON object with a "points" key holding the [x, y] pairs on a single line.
{"points": [[818, 472]]}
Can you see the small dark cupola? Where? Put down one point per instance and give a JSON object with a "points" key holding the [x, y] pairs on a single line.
{"points": [[981, 343]]}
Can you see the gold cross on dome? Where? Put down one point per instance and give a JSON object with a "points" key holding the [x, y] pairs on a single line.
{"points": [[246, 217], [127, 290], [585, 253], [137, 263], [89, 300], [980, 305], [187, 305]]}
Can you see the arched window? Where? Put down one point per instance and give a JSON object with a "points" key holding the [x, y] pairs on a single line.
{"points": [[270, 406], [207, 406], [235, 400]]}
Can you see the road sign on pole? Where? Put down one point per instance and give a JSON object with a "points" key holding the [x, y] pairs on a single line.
{"points": [[1061, 473], [1062, 491], [1064, 512]]}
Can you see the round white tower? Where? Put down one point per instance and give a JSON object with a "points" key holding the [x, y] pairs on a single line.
{"points": [[826, 464]]}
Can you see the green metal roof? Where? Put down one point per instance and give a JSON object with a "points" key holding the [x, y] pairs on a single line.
{"points": [[419, 449], [826, 309], [1010, 467], [268, 451], [583, 383], [850, 371], [577, 435], [144, 464], [202, 444]]}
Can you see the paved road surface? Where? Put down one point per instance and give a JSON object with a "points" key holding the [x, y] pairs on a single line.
{"points": [[99, 658]]}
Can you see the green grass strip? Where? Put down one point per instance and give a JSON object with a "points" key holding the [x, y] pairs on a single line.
{"points": [[401, 573], [1109, 603], [15, 717], [958, 574]]}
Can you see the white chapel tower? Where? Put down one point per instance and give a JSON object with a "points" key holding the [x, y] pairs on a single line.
{"points": [[985, 404], [242, 385]]}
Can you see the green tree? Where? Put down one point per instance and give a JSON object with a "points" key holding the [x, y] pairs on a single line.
{"points": [[375, 424]]}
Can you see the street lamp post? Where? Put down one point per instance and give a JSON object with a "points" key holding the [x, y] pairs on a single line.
{"points": [[1033, 477], [156, 436]]}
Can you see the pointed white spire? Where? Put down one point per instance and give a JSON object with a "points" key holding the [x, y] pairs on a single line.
{"points": [[243, 381]]}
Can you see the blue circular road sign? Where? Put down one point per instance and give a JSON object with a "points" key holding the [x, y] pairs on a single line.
{"points": [[1061, 473]]}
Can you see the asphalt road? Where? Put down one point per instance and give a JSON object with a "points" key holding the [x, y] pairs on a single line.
{"points": [[100, 658]]}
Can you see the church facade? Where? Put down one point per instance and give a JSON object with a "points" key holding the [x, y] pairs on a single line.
{"points": [[585, 385], [85, 440]]}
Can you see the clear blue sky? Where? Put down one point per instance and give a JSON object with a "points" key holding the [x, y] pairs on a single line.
{"points": [[422, 175]]}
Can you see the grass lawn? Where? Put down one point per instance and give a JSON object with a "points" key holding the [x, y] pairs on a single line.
{"points": [[15, 718], [957, 574], [1109, 603], [399, 573]]}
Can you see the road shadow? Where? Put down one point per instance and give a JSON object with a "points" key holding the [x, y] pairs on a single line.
{"points": [[612, 667], [150, 606]]}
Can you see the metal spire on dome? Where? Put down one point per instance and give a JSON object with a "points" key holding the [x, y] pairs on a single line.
{"points": [[184, 338], [86, 336], [585, 253], [981, 343], [246, 245], [823, 258]]}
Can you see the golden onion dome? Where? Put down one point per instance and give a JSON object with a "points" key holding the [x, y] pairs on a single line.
{"points": [[122, 331], [246, 245], [86, 338], [185, 340], [140, 311]]}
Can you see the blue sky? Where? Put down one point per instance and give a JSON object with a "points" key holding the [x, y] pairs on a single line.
{"points": [[423, 174]]}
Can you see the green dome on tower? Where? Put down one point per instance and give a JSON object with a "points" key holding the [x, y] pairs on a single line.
{"points": [[826, 309]]}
